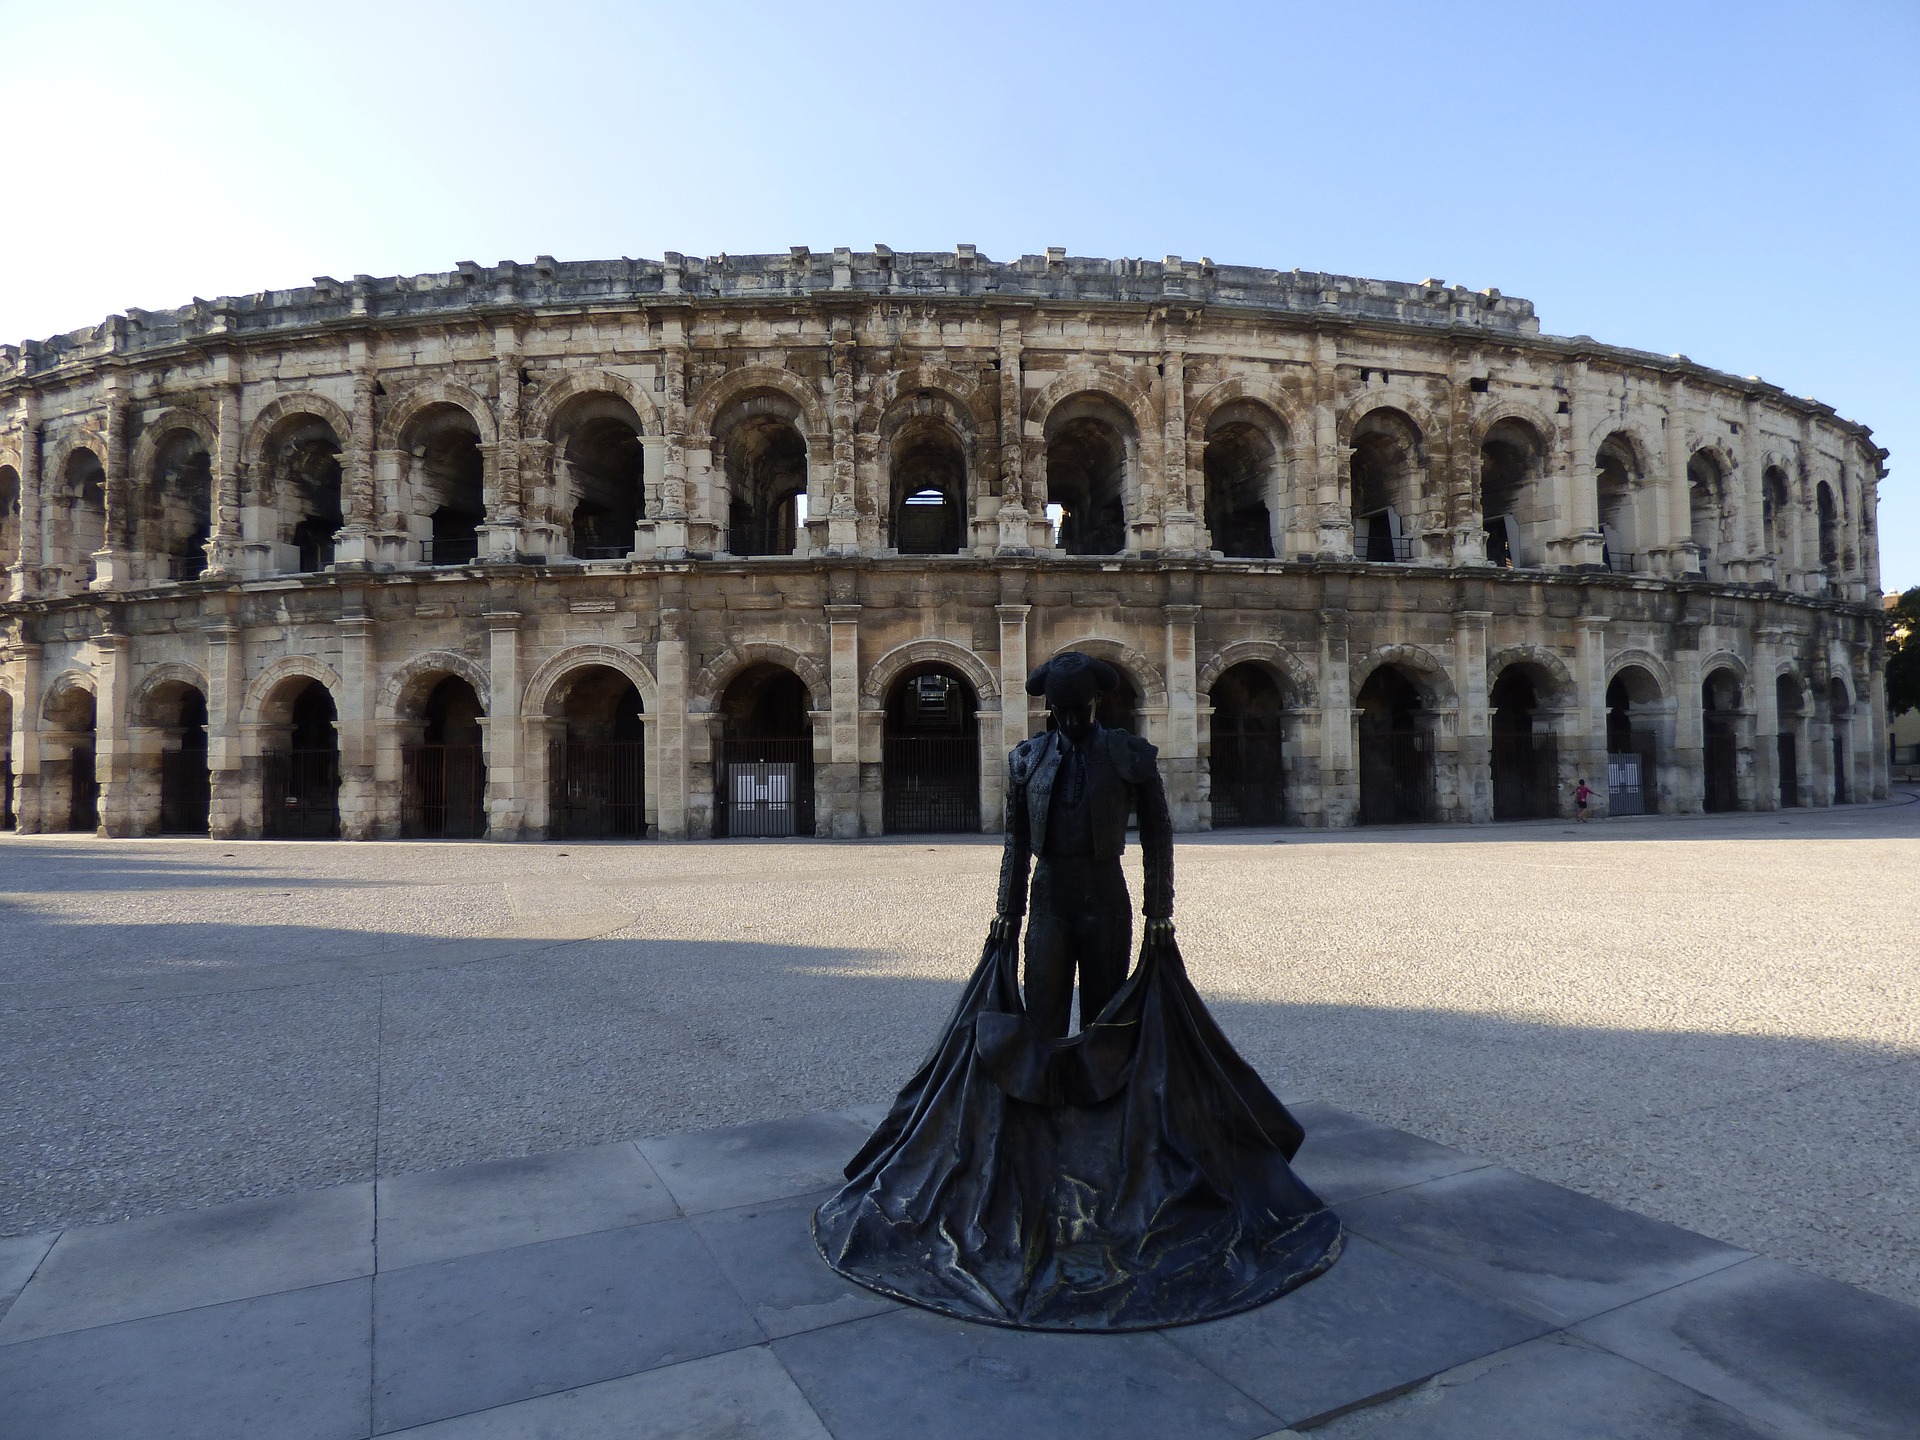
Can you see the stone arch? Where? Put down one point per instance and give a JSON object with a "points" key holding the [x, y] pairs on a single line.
{"points": [[1642, 660], [1422, 667], [557, 667], [1295, 676], [1254, 390], [287, 667], [1727, 660], [66, 683], [882, 673], [708, 686], [742, 383], [1536, 420], [410, 683], [1101, 380], [1148, 678], [1698, 445], [146, 448], [403, 412], [171, 672], [300, 402], [552, 399], [1564, 692], [1642, 449], [882, 413], [1391, 397], [86, 436], [1789, 670]]}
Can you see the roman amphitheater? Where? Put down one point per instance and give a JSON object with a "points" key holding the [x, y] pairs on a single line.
{"points": [[766, 545]]}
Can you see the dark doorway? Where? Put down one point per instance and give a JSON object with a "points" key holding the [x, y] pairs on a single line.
{"points": [[71, 720], [597, 770], [1631, 743], [1720, 740], [1396, 754], [605, 464], [301, 780], [1789, 771], [929, 474], [7, 820], [763, 781], [1523, 756], [186, 789], [1240, 466], [930, 770], [443, 779], [1248, 766], [766, 469], [1087, 479], [449, 476], [1787, 707], [83, 790], [1839, 707]]}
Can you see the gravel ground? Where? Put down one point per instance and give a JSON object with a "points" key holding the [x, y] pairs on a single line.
{"points": [[1710, 1019]]}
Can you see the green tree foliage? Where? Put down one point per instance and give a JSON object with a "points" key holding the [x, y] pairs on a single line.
{"points": [[1903, 654]]}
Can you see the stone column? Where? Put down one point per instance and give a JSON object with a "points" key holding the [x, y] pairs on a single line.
{"points": [[669, 731], [1328, 532], [226, 695], [1577, 538], [27, 809], [1877, 769], [1182, 525], [359, 688], [112, 757], [1688, 767], [1021, 509], [837, 790], [223, 544], [1588, 742], [843, 515], [1180, 760], [113, 562], [1473, 745], [23, 581], [1339, 780], [1464, 520], [355, 545], [507, 771], [1677, 529], [501, 537], [1016, 706]]}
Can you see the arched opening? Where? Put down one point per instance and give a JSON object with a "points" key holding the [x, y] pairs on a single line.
{"points": [[1396, 750], [1087, 455], [1509, 470], [300, 763], [1247, 762], [8, 820], [449, 483], [176, 512], [1829, 515], [443, 772], [603, 470], [1242, 468], [1774, 500], [1789, 706], [178, 711], [930, 758], [765, 771], [1840, 706], [1720, 739], [597, 764], [70, 787], [764, 457], [928, 506], [80, 506], [1634, 714], [11, 531], [1616, 477], [1706, 508], [303, 456], [1525, 766], [1385, 468]]}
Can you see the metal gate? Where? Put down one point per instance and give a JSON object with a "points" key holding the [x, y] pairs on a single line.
{"points": [[930, 784], [1523, 776], [186, 791], [1719, 756], [766, 788], [443, 792], [83, 791], [1789, 771], [597, 790], [1396, 777], [1626, 784], [300, 794], [1839, 770], [1248, 775], [6, 795]]}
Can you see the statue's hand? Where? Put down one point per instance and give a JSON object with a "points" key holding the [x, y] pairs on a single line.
{"points": [[1004, 929], [1159, 931]]}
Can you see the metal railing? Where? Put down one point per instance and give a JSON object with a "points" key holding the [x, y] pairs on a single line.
{"points": [[597, 790], [186, 791], [190, 566], [1384, 548], [1248, 774], [765, 787], [1621, 562], [300, 794], [454, 550], [930, 784], [603, 552], [443, 791]]}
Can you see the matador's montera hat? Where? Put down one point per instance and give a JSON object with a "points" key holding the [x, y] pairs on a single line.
{"points": [[1072, 679]]}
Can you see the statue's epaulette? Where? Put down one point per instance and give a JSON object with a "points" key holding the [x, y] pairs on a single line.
{"points": [[1024, 757], [1133, 757]]}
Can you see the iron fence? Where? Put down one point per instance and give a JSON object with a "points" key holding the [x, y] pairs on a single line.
{"points": [[1396, 777], [1524, 776], [7, 820], [443, 792], [450, 550], [1249, 780], [597, 790], [766, 788], [83, 791], [1384, 547], [300, 794], [930, 784], [186, 791]]}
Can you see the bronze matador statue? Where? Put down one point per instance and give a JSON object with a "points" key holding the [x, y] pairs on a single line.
{"points": [[1069, 794], [1132, 1175]]}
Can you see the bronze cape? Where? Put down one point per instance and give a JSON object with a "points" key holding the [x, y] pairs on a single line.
{"points": [[1132, 1176]]}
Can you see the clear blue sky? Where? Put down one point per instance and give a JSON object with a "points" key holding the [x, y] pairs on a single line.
{"points": [[1738, 182]]}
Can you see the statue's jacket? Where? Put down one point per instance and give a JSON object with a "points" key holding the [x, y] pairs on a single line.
{"points": [[1123, 777]]}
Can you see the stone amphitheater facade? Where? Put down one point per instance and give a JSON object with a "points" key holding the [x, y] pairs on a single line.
{"points": [[767, 544]]}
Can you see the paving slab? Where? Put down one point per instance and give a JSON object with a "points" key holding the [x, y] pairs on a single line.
{"points": [[485, 1330], [294, 1366], [1347, 1157], [1554, 1389], [1373, 1325], [1561, 1255], [742, 1395], [469, 1209], [100, 1274], [910, 1372], [767, 1252], [744, 1164], [20, 1256], [1814, 1357]]}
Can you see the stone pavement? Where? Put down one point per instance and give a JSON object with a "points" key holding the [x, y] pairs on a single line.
{"points": [[668, 1287]]}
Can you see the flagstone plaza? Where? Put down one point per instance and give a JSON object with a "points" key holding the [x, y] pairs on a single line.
{"points": [[1707, 1021]]}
